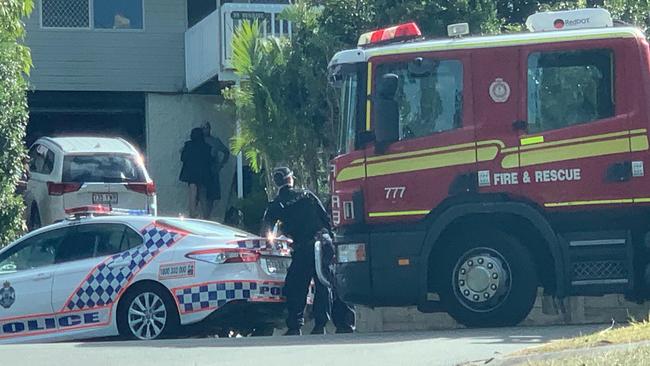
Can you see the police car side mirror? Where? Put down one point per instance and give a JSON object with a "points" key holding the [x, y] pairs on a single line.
{"points": [[386, 112]]}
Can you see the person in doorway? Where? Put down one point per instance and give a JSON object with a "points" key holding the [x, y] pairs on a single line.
{"points": [[220, 155], [196, 157], [301, 216]]}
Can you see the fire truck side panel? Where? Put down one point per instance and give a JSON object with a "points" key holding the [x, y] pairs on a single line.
{"points": [[639, 184], [585, 159], [496, 116]]}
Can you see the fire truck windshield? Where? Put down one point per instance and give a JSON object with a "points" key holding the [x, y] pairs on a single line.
{"points": [[345, 83]]}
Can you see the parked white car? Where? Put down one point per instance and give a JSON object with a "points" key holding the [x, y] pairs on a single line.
{"points": [[67, 172], [137, 276]]}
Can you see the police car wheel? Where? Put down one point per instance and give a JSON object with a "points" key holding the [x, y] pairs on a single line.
{"points": [[488, 279], [146, 313]]}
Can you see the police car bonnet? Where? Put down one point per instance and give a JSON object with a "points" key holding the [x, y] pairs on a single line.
{"points": [[569, 19]]}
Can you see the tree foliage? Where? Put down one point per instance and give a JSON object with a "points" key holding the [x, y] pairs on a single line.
{"points": [[15, 63]]}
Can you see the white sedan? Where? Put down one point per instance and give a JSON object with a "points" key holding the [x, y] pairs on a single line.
{"points": [[136, 276]]}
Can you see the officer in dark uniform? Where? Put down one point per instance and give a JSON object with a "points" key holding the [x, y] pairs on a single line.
{"points": [[301, 216]]}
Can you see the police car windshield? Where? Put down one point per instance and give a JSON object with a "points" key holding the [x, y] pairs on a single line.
{"points": [[204, 228]]}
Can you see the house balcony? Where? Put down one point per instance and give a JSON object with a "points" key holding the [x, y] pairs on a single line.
{"points": [[208, 44]]}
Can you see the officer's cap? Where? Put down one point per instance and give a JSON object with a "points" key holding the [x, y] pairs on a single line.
{"points": [[280, 175]]}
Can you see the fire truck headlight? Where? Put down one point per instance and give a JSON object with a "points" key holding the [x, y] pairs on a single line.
{"points": [[346, 253]]}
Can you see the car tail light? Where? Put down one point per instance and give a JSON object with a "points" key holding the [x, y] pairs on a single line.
{"points": [[397, 33], [346, 253], [223, 256], [148, 188], [58, 189]]}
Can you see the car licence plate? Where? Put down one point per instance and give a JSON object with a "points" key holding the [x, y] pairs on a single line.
{"points": [[277, 265], [105, 198]]}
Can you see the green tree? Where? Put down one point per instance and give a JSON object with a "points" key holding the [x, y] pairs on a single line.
{"points": [[15, 63], [277, 114], [433, 16]]}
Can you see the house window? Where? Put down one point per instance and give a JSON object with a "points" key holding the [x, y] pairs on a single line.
{"points": [[568, 88], [92, 14], [118, 14], [65, 13]]}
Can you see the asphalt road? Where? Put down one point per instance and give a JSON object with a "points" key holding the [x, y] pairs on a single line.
{"points": [[448, 347]]}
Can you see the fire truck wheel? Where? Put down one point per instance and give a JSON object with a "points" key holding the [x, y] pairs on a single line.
{"points": [[489, 279]]}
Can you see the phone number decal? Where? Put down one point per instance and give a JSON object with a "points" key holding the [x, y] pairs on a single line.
{"points": [[176, 270]]}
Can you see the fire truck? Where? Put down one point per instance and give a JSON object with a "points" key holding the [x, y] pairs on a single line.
{"points": [[475, 172]]}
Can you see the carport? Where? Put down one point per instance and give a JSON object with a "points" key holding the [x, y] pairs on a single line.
{"points": [[61, 113]]}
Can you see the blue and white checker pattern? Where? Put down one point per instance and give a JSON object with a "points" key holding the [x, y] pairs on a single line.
{"points": [[103, 285], [215, 295]]}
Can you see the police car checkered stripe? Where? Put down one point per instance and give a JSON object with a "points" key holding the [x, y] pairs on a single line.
{"points": [[104, 284], [210, 296]]}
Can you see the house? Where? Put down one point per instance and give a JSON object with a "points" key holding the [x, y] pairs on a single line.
{"points": [[145, 70]]}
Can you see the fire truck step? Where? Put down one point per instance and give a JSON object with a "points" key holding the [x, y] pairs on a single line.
{"points": [[598, 262]]}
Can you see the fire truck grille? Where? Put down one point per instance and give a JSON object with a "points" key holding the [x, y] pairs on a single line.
{"points": [[599, 270]]}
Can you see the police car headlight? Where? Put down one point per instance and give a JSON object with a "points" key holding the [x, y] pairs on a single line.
{"points": [[346, 253]]}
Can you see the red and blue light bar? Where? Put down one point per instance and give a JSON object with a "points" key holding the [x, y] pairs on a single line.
{"points": [[99, 210]]}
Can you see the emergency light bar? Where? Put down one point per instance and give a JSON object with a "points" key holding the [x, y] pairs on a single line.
{"points": [[569, 19], [101, 210], [400, 32]]}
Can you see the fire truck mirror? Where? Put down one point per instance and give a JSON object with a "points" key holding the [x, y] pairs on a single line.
{"points": [[364, 138], [420, 68], [386, 112]]}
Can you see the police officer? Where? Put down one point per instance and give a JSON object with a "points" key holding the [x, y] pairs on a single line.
{"points": [[301, 216]]}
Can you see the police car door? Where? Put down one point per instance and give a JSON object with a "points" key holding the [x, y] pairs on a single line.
{"points": [[26, 272], [82, 293]]}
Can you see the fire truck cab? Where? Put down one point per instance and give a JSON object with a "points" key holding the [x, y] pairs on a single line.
{"points": [[474, 170]]}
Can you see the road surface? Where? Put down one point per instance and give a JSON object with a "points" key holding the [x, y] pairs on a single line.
{"points": [[447, 347]]}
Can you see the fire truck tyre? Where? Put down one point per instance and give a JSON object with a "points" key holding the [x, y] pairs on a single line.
{"points": [[146, 313], [489, 279]]}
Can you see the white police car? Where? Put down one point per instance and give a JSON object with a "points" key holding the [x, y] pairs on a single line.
{"points": [[137, 276]]}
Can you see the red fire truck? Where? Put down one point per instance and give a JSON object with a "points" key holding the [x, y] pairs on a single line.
{"points": [[474, 170]]}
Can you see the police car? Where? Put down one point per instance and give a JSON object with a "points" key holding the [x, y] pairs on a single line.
{"points": [[103, 273]]}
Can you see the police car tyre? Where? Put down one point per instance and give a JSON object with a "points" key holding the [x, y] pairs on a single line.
{"points": [[147, 312], [487, 279]]}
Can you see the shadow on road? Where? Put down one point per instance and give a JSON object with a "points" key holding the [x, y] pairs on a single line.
{"points": [[515, 335]]}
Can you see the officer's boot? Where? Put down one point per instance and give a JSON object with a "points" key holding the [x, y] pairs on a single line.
{"points": [[318, 329], [293, 332]]}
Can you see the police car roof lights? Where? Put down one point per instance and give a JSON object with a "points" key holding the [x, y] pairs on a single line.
{"points": [[400, 32], [101, 210], [569, 19]]}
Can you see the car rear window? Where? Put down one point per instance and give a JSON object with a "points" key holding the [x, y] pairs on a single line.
{"points": [[107, 168], [204, 228]]}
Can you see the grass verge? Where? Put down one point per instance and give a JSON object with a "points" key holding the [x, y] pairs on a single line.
{"points": [[634, 332], [632, 357]]}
